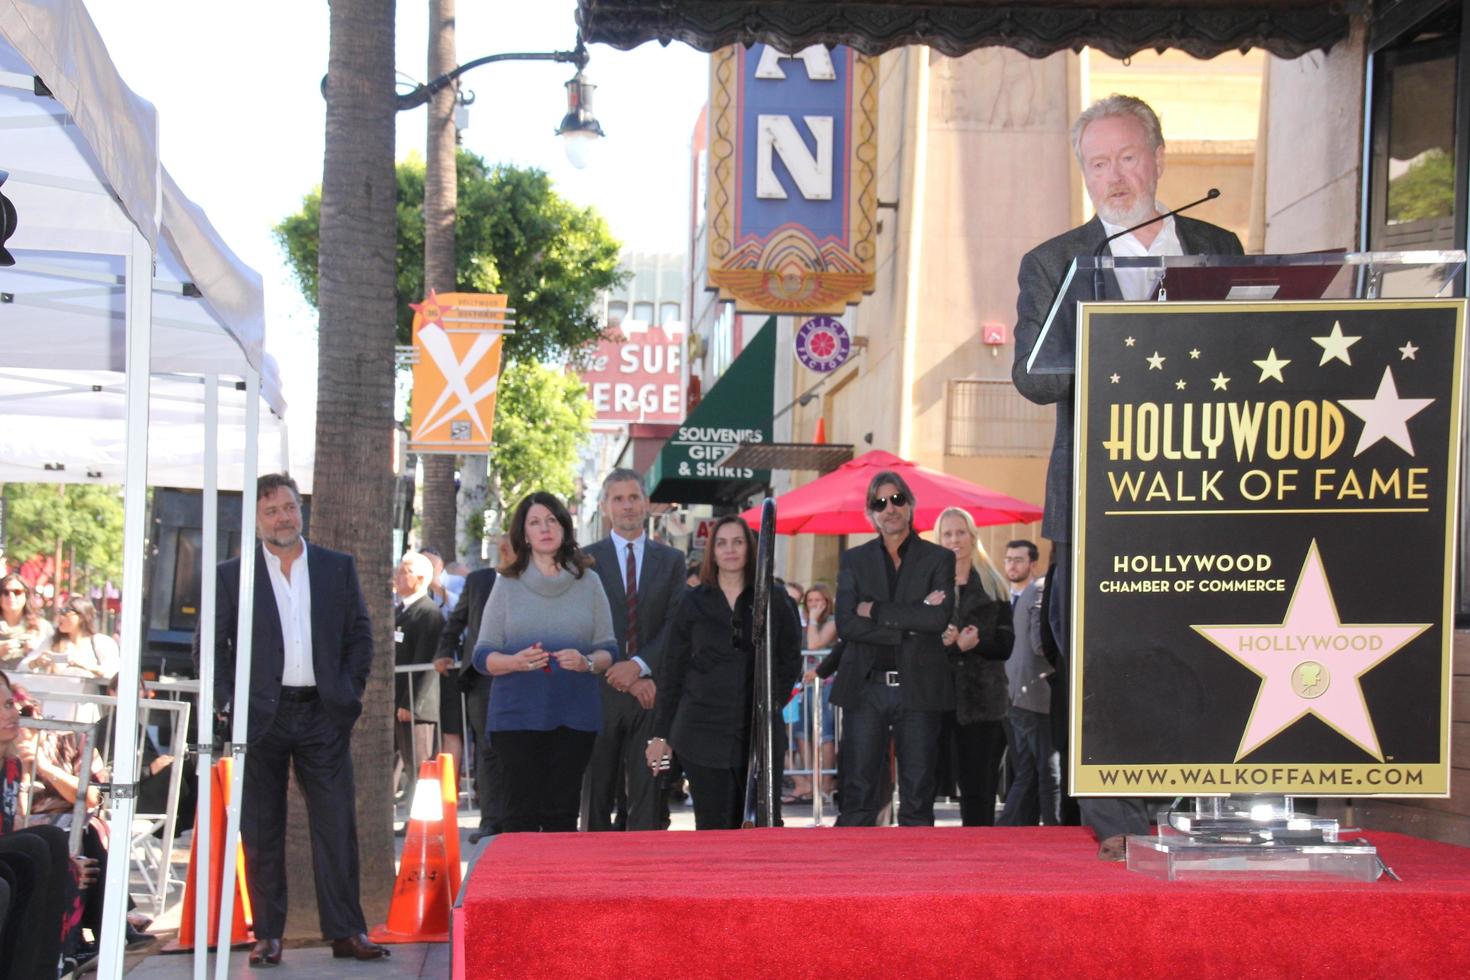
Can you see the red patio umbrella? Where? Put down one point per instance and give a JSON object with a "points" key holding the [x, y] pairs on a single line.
{"points": [[837, 503]]}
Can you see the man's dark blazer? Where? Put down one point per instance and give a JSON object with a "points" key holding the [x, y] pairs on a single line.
{"points": [[899, 620], [341, 638], [660, 587], [420, 625], [1042, 271], [462, 628]]}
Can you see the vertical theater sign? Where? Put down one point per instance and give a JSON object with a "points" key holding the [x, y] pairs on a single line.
{"points": [[791, 213]]}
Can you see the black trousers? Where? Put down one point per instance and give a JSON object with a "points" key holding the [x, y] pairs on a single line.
{"points": [[302, 734], [36, 869], [542, 778], [618, 763], [979, 747], [866, 729], [1107, 816], [487, 758]]}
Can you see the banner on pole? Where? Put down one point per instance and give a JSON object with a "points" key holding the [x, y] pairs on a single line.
{"points": [[457, 340]]}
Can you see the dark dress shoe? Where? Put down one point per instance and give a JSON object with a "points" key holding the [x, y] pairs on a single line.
{"points": [[267, 952], [358, 947]]}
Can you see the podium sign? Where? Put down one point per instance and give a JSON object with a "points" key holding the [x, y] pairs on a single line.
{"points": [[1265, 525]]}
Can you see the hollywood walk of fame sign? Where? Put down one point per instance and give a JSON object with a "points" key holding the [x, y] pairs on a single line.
{"points": [[1265, 528]]}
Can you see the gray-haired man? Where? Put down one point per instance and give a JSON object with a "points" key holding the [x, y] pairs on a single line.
{"points": [[1119, 145]]}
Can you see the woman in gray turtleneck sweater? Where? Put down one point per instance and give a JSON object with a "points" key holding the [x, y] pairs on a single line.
{"points": [[546, 635]]}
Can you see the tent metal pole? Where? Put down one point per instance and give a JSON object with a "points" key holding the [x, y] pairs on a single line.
{"points": [[240, 713], [121, 800], [208, 587]]}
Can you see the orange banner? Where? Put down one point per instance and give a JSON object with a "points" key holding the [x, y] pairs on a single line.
{"points": [[457, 340]]}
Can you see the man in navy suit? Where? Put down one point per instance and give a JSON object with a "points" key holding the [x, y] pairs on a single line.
{"points": [[311, 651]]}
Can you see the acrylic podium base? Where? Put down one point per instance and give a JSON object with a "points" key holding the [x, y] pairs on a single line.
{"points": [[1249, 838]]}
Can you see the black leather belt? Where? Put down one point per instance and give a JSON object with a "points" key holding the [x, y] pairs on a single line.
{"points": [[888, 677], [298, 694]]}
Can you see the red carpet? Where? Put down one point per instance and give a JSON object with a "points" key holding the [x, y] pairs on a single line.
{"points": [[919, 902]]}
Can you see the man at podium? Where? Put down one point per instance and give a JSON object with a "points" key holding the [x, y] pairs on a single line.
{"points": [[1120, 147]]}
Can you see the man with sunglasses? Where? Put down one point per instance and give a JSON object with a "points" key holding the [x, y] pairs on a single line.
{"points": [[894, 599]]}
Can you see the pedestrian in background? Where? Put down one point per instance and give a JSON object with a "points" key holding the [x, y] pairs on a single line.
{"points": [[546, 636], [979, 639]]}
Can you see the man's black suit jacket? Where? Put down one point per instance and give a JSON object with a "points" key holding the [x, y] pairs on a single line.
{"points": [[1042, 271], [660, 587], [341, 638], [419, 626], [462, 628], [899, 620]]}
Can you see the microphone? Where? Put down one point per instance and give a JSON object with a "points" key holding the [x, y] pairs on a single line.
{"points": [[1097, 273]]}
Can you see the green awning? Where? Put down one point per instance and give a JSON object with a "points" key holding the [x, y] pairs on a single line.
{"points": [[736, 410]]}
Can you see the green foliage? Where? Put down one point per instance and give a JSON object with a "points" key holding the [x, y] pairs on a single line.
{"points": [[1425, 190], [541, 415], [513, 234], [86, 517]]}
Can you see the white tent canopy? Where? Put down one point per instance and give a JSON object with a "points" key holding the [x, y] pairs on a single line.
{"points": [[121, 291]]}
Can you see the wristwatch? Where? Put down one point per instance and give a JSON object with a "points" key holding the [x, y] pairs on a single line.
{"points": [[591, 667]]}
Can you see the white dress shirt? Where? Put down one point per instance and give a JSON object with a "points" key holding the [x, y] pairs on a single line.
{"points": [[293, 603], [621, 546], [1138, 284]]}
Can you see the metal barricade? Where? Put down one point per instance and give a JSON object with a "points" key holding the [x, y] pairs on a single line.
{"points": [[812, 730], [154, 863]]}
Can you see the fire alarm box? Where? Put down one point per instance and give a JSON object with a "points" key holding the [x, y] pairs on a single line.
{"points": [[994, 334]]}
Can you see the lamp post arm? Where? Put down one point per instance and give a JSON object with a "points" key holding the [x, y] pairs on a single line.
{"points": [[422, 94]]}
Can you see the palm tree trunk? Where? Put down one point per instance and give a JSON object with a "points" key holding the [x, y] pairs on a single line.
{"points": [[352, 503], [440, 201]]}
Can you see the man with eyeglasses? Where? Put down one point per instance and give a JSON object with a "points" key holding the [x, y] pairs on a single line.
{"points": [[1119, 146], [895, 595]]}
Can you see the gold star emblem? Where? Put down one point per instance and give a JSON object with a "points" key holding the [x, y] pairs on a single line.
{"points": [[1156, 363], [1271, 367], [1335, 346], [1114, 378], [1128, 341], [1179, 384], [1221, 382], [1408, 350], [1194, 354]]}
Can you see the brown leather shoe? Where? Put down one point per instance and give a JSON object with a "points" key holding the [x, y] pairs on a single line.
{"points": [[358, 947], [267, 952], [1114, 848]]}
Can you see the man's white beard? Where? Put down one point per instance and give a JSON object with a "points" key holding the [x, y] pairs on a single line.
{"points": [[1143, 209]]}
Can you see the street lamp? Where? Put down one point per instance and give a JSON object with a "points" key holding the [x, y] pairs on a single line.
{"points": [[579, 127]]}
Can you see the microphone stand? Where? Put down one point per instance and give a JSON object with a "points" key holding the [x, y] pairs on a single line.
{"points": [[1097, 272]]}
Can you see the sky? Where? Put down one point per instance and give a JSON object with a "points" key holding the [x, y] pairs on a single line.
{"points": [[241, 117]]}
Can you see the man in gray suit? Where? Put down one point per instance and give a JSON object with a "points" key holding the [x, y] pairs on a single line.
{"points": [[1036, 775], [1120, 147], [644, 580]]}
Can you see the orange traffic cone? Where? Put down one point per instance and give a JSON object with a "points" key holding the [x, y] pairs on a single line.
{"points": [[419, 912], [820, 436], [449, 790], [214, 830]]}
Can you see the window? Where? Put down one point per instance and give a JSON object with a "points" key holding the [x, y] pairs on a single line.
{"points": [[668, 313], [643, 312], [615, 313]]}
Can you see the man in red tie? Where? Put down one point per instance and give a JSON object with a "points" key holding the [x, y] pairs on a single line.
{"points": [[643, 580]]}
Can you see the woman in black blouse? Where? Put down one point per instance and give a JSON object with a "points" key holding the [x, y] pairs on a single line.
{"points": [[703, 707]]}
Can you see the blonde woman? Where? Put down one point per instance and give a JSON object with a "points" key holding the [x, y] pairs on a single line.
{"points": [[979, 639]]}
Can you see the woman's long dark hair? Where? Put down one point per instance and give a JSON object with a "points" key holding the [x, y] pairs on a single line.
{"points": [[86, 618], [709, 572], [27, 615], [568, 556]]}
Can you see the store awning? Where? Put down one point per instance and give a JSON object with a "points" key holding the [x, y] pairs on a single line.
{"points": [[690, 468], [1203, 28]]}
